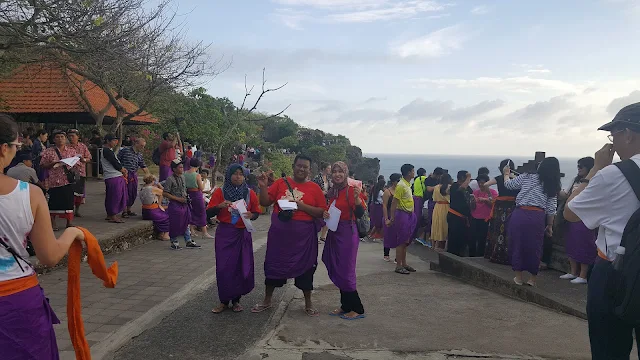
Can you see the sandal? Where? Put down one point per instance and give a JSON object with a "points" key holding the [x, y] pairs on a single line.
{"points": [[531, 283], [409, 268], [131, 213], [359, 316], [337, 312], [219, 309], [237, 308], [312, 312], [402, 271], [116, 221], [258, 308], [518, 282]]}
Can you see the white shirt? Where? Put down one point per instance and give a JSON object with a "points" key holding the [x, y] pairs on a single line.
{"points": [[379, 198], [474, 185], [16, 221], [532, 193], [607, 202]]}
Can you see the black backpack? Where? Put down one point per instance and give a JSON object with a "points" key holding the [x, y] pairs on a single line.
{"points": [[627, 269], [155, 156]]}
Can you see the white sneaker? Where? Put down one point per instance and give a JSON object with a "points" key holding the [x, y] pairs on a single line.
{"points": [[568, 277], [579, 280]]}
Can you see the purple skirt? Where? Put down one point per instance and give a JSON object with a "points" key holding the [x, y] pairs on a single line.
{"points": [[580, 243], [526, 236], [418, 203], [179, 218], [165, 172], [292, 248], [376, 216], [160, 219], [26, 326], [234, 262], [340, 255], [198, 210], [115, 201], [132, 188], [401, 230]]}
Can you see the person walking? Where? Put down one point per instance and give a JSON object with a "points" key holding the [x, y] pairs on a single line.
{"points": [[80, 168], [341, 249], [606, 201], [292, 241], [403, 219], [175, 190], [132, 159], [234, 244], [115, 180], [533, 217]]}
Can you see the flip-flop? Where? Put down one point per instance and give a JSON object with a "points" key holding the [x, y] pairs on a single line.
{"points": [[360, 316], [221, 311], [337, 314], [258, 308], [119, 221], [237, 308], [402, 271], [312, 312]]}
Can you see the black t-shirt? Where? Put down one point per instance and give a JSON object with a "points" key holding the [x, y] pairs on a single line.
{"points": [[460, 199], [428, 195], [502, 190]]}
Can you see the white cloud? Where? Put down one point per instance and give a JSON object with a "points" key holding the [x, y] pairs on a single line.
{"points": [[522, 84], [539, 71], [436, 44], [290, 17], [618, 103], [420, 109], [399, 10], [480, 10]]}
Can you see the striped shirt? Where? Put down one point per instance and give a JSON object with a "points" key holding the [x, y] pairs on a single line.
{"points": [[532, 193], [130, 159]]}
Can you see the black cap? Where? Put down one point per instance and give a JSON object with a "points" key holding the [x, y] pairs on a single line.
{"points": [[58, 132], [628, 117], [73, 131], [109, 137], [24, 155]]}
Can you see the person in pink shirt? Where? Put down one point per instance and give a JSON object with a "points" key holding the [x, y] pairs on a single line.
{"points": [[480, 216]]}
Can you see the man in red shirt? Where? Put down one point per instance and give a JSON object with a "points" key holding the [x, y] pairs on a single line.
{"points": [[292, 242], [167, 154]]}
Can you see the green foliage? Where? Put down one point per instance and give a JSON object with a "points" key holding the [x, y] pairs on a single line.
{"points": [[289, 142], [279, 128], [279, 163]]}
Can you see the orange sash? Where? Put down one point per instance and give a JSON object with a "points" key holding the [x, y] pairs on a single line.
{"points": [[499, 198], [603, 256], [193, 189], [532, 208], [442, 202], [10, 287], [151, 206], [457, 213], [109, 276]]}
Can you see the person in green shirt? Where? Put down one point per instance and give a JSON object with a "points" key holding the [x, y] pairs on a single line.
{"points": [[403, 219]]}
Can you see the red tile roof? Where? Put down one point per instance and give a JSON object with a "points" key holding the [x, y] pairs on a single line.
{"points": [[42, 88]]}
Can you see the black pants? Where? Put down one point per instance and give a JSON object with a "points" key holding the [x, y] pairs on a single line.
{"points": [[386, 251], [303, 282], [547, 247], [234, 301], [350, 301], [610, 337], [458, 234], [478, 238]]}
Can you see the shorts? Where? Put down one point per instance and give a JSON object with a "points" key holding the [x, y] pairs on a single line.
{"points": [[303, 282]]}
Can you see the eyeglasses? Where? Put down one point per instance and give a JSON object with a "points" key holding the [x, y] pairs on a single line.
{"points": [[18, 145], [610, 136]]}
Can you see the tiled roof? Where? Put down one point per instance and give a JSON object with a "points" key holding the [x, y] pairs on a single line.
{"points": [[43, 88]]}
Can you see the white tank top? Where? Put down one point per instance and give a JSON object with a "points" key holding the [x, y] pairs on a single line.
{"points": [[16, 221]]}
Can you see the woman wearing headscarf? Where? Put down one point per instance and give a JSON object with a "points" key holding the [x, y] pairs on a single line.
{"points": [[341, 248], [234, 248]]}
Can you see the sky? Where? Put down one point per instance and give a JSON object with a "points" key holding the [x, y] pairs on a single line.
{"points": [[506, 77]]}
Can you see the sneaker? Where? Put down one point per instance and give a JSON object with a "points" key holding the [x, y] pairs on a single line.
{"points": [[579, 280], [175, 246], [421, 242], [193, 245], [387, 259], [568, 277]]}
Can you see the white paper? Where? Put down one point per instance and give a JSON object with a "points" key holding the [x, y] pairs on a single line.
{"points": [[287, 205], [71, 161], [241, 206], [334, 217]]}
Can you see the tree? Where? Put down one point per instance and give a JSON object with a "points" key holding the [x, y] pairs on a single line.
{"points": [[288, 142]]}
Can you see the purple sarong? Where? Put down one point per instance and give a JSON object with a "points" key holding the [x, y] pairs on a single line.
{"points": [[179, 218], [198, 210], [526, 237], [160, 219], [403, 226], [26, 326], [115, 200], [132, 188], [376, 216], [165, 172], [580, 243], [292, 248], [418, 203], [340, 255], [234, 262]]}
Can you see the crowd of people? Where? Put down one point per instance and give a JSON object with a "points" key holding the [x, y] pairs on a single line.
{"points": [[465, 217]]}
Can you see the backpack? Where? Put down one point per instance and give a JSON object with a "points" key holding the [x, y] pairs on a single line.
{"points": [[155, 156], [626, 279]]}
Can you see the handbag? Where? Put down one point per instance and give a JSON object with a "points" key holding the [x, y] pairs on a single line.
{"points": [[72, 176], [363, 223], [286, 215]]}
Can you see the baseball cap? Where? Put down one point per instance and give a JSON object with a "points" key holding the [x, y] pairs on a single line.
{"points": [[24, 155], [628, 117], [73, 131], [110, 137], [58, 132]]}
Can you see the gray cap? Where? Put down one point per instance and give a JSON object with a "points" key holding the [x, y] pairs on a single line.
{"points": [[628, 117]]}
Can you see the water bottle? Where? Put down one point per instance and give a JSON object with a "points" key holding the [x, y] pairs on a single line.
{"points": [[235, 216], [618, 262]]}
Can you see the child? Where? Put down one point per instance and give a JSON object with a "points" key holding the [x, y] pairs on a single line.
{"points": [[151, 197]]}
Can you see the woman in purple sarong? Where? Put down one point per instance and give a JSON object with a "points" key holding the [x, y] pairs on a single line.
{"points": [[580, 241], [341, 248], [387, 199], [533, 217], [115, 181], [292, 242], [151, 198], [26, 318], [179, 213], [234, 248], [195, 186]]}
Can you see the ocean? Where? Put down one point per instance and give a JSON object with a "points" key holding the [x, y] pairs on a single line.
{"points": [[391, 163]]}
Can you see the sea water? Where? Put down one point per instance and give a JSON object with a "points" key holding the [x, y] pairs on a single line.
{"points": [[391, 163]]}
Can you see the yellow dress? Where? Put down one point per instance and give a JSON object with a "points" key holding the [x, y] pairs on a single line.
{"points": [[439, 227]]}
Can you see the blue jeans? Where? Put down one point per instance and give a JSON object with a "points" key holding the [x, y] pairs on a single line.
{"points": [[187, 237]]}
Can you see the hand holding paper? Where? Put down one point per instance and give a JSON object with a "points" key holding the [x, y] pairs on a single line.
{"points": [[287, 205], [71, 161], [334, 217], [241, 206]]}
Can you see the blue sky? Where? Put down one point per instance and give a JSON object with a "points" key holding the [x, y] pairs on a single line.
{"points": [[410, 76]]}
